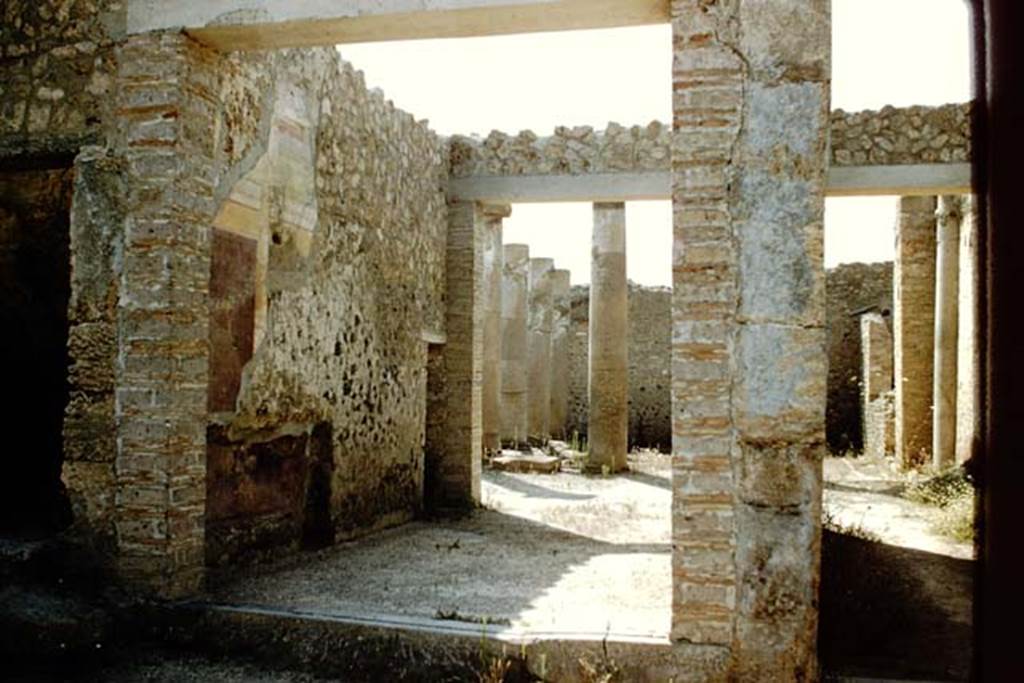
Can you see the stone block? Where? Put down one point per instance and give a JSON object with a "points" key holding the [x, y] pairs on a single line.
{"points": [[777, 562], [780, 389], [779, 474]]}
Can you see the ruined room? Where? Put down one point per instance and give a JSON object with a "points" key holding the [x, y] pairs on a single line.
{"points": [[306, 400]]}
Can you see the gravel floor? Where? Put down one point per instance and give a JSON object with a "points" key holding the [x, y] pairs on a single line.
{"points": [[549, 553]]}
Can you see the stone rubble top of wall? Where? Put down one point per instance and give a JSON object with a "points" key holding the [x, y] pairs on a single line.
{"points": [[890, 136], [895, 136]]}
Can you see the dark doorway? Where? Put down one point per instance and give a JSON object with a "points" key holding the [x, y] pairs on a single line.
{"points": [[35, 269]]}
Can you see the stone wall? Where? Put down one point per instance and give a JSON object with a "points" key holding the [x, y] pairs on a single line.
{"points": [[907, 135], [57, 68], [322, 434], [650, 404], [912, 135], [318, 209], [850, 288]]}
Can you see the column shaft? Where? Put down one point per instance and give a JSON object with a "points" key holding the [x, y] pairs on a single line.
{"points": [[514, 379], [560, 353], [968, 365], [539, 351], [608, 370], [914, 328], [947, 281], [492, 276], [454, 480]]}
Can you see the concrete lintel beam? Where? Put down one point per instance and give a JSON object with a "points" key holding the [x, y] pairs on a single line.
{"points": [[843, 181], [268, 24], [912, 180]]}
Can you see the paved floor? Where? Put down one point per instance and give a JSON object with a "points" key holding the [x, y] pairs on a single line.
{"points": [[551, 554]]}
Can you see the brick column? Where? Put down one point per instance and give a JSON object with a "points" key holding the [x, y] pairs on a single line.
{"points": [[608, 369], [914, 328], [947, 281], [458, 476], [560, 353], [751, 106], [538, 392], [493, 259], [163, 311], [876, 381], [515, 288]]}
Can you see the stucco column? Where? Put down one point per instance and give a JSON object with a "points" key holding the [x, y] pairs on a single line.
{"points": [[492, 276], [560, 353], [914, 328], [947, 276], [514, 376], [538, 392], [608, 369], [968, 365]]}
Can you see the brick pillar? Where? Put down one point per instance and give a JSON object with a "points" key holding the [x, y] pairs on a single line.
{"points": [[608, 368], [947, 281], [968, 367], [914, 328], [458, 476], [751, 106], [560, 353], [538, 392], [515, 289], [493, 259], [876, 381], [163, 311]]}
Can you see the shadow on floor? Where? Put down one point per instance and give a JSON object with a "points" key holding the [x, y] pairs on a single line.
{"points": [[526, 488], [884, 488], [892, 612], [651, 479]]}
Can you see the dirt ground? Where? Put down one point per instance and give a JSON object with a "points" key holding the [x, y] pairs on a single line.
{"points": [[559, 553]]}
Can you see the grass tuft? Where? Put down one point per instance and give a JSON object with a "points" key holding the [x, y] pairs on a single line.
{"points": [[952, 491]]}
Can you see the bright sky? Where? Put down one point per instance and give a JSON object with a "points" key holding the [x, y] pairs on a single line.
{"points": [[898, 52]]}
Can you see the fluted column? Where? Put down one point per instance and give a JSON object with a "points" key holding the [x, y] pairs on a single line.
{"points": [[514, 376], [560, 353], [947, 276], [608, 427], [492, 276], [539, 351]]}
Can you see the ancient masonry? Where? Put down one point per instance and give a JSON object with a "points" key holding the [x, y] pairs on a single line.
{"points": [[276, 311], [649, 338], [914, 328], [919, 365], [851, 289], [876, 383]]}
